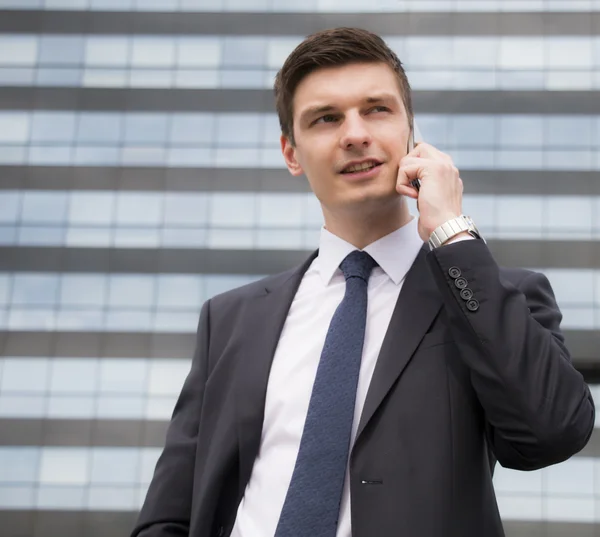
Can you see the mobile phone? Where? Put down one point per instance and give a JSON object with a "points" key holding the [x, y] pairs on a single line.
{"points": [[414, 136]]}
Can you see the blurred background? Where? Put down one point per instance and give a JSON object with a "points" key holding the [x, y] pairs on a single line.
{"points": [[140, 174]]}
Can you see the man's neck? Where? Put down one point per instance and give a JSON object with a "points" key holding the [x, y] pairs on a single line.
{"points": [[362, 229]]}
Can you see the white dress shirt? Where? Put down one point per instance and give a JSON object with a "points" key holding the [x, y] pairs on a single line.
{"points": [[295, 365]]}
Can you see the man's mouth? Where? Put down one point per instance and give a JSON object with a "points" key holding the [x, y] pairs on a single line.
{"points": [[362, 167]]}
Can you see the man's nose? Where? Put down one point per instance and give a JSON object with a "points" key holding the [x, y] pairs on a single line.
{"points": [[355, 134]]}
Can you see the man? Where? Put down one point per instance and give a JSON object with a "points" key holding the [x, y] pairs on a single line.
{"points": [[370, 391]]}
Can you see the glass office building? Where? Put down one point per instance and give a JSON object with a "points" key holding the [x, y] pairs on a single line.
{"points": [[140, 174]]}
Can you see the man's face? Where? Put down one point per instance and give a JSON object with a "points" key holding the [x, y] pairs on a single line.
{"points": [[347, 119]]}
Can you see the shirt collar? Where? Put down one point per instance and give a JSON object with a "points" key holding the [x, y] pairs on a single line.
{"points": [[394, 253]]}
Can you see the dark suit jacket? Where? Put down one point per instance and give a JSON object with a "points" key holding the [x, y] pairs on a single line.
{"points": [[454, 390]]}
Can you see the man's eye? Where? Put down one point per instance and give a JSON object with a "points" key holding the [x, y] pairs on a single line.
{"points": [[380, 109], [327, 118]]}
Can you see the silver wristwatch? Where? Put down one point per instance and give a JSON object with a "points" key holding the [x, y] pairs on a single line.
{"points": [[451, 228]]}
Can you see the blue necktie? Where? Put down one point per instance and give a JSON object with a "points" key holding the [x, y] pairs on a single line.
{"points": [[312, 503]]}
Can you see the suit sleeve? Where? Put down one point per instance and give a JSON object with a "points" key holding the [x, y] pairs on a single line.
{"points": [[538, 408], [167, 507]]}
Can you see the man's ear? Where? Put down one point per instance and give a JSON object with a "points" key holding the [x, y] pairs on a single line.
{"points": [[289, 155]]}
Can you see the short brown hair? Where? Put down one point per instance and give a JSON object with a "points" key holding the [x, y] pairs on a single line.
{"points": [[332, 48]]}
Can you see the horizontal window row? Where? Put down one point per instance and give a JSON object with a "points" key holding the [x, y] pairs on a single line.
{"points": [[191, 210], [421, 78], [59, 131], [92, 376], [190, 237], [97, 406], [118, 292], [150, 51], [112, 388], [171, 303], [117, 479], [86, 319], [249, 219], [244, 157], [326, 6], [91, 466]]}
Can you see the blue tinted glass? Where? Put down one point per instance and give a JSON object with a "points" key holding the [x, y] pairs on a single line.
{"points": [[61, 50], [472, 131], [521, 130], [145, 128], [53, 127], [244, 51], [46, 207], [10, 204], [99, 127], [34, 289], [18, 464]]}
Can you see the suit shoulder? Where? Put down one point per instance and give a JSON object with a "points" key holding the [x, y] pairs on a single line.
{"points": [[249, 290]]}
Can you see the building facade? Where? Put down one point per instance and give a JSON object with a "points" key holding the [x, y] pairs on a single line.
{"points": [[140, 174]]}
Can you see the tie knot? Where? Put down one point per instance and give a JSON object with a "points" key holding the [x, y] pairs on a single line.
{"points": [[358, 264]]}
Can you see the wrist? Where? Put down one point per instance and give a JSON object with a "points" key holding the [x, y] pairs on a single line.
{"points": [[451, 229]]}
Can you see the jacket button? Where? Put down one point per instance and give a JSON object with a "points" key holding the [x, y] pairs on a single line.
{"points": [[472, 305], [455, 272], [466, 294], [461, 283]]}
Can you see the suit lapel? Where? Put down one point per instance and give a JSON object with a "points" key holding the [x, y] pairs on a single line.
{"points": [[263, 322], [416, 308]]}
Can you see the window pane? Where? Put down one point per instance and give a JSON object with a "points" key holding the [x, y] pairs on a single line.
{"points": [[280, 210], [139, 208], [35, 289], [61, 50], [14, 127], [19, 464], [107, 51], [244, 51], [167, 376], [199, 52], [180, 291], [569, 52], [47, 207], [10, 204], [131, 291], [238, 129], [24, 375], [186, 209], [475, 52], [152, 52], [64, 466], [18, 50], [83, 290], [521, 130], [5, 281], [472, 131], [125, 376], [145, 128], [99, 127], [91, 209], [568, 131], [114, 465], [53, 127], [428, 51], [232, 210], [521, 53], [192, 129], [73, 376]]}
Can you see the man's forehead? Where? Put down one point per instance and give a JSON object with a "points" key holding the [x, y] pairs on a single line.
{"points": [[338, 85]]}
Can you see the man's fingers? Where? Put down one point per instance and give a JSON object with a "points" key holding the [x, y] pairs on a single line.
{"points": [[408, 191], [423, 150]]}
